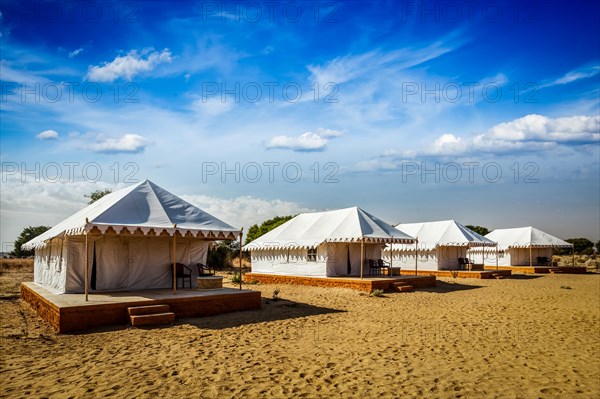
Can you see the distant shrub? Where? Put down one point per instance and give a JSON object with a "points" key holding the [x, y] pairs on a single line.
{"points": [[376, 293], [236, 279], [219, 256], [275, 296]]}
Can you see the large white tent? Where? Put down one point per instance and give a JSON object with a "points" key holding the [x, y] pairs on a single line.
{"points": [[440, 245], [324, 244], [522, 246], [132, 236]]}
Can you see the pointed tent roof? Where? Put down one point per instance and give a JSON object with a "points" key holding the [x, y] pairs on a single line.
{"points": [[145, 206], [309, 230], [525, 237], [444, 233]]}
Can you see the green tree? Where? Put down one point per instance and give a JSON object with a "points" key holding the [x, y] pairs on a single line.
{"points": [[581, 245], [222, 254], [256, 231], [28, 234], [479, 229], [219, 256], [96, 195]]}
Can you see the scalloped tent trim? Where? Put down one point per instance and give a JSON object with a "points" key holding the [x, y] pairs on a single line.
{"points": [[144, 207]]}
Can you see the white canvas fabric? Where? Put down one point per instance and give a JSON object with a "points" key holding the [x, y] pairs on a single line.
{"points": [[337, 237], [520, 246], [333, 259], [144, 206], [525, 237], [440, 245], [309, 230], [130, 260], [448, 233]]}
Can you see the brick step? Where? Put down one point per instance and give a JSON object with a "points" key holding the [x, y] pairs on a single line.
{"points": [[152, 319], [402, 287], [150, 309], [555, 270]]}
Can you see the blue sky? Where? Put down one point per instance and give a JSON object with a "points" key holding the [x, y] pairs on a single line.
{"points": [[485, 112]]}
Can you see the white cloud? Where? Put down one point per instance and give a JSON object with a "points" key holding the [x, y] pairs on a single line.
{"points": [[42, 202], [308, 141], [212, 106], [576, 128], [577, 74], [350, 67], [329, 133], [75, 53], [245, 211], [34, 201], [48, 135], [131, 143], [446, 143], [530, 133], [391, 152], [375, 165], [128, 66]]}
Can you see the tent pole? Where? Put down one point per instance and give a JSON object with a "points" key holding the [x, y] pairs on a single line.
{"points": [[175, 262], [362, 255], [416, 255], [530, 257], [391, 259], [496, 256], [87, 283], [483, 257], [241, 232]]}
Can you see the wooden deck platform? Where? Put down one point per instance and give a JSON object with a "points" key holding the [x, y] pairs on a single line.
{"points": [[70, 312], [366, 284], [483, 274], [539, 269]]}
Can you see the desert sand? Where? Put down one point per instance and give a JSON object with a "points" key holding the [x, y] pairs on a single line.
{"points": [[524, 337]]}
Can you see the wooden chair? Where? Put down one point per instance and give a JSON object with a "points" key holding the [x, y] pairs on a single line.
{"points": [[374, 269], [472, 265], [182, 272], [204, 270], [384, 265], [543, 261]]}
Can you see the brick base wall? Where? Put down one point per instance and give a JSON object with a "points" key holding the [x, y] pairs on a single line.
{"points": [[365, 285]]}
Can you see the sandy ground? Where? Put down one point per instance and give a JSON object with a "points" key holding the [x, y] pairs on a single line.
{"points": [[525, 337]]}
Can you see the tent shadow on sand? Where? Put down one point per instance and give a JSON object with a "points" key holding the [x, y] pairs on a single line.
{"points": [[524, 277], [443, 287], [281, 309]]}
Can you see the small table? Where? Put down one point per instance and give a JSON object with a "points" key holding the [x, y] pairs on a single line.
{"points": [[209, 282]]}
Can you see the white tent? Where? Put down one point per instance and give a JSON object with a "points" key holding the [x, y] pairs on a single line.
{"points": [[324, 244], [440, 245], [522, 246], [132, 237]]}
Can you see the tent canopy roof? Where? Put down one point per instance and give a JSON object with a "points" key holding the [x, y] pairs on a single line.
{"points": [[444, 233], [145, 206], [525, 237], [309, 230]]}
